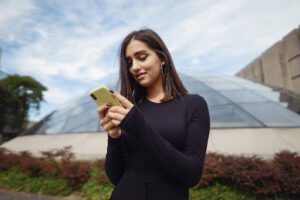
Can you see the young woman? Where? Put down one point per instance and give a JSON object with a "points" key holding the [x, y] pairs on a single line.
{"points": [[157, 139]]}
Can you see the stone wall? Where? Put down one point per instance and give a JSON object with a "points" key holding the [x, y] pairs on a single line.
{"points": [[278, 66]]}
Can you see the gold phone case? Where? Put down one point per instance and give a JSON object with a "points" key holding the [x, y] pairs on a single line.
{"points": [[101, 95]]}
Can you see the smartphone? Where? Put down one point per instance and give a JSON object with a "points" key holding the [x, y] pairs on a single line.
{"points": [[101, 95]]}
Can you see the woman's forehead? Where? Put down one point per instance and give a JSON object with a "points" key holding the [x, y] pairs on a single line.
{"points": [[135, 47]]}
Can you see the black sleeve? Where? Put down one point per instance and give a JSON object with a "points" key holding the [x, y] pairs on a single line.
{"points": [[186, 167], [115, 159]]}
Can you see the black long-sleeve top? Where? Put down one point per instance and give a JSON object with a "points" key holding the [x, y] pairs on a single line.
{"points": [[161, 150]]}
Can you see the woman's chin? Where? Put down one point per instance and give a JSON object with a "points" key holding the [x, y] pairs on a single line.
{"points": [[143, 83]]}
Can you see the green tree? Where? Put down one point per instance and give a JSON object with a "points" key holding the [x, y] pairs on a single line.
{"points": [[18, 94]]}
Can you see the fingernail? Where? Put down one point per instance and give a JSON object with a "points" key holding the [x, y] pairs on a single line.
{"points": [[108, 104], [111, 91]]}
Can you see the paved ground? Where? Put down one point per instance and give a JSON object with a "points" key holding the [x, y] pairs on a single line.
{"points": [[10, 195]]}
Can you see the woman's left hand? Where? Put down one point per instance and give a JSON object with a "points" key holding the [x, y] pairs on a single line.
{"points": [[118, 113]]}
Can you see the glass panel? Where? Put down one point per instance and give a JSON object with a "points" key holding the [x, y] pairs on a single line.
{"points": [[79, 119], [243, 96], [272, 114], [272, 95], [84, 107], [57, 117], [231, 116], [223, 85], [250, 84], [213, 98], [194, 84], [211, 77], [91, 126], [54, 129]]}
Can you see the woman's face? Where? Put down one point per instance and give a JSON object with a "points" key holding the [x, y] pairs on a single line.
{"points": [[143, 62]]}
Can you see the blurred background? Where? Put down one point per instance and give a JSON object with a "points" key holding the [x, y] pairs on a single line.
{"points": [[243, 57]]}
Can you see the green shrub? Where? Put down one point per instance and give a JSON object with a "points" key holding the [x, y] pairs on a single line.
{"points": [[95, 188], [224, 177], [217, 191], [16, 180]]}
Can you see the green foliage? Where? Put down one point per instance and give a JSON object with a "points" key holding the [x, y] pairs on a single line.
{"points": [[94, 188], [224, 177], [218, 192], [18, 95], [14, 179]]}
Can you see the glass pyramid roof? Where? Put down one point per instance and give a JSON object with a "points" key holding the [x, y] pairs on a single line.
{"points": [[233, 102]]}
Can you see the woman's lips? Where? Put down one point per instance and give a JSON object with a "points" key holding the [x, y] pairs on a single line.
{"points": [[140, 76]]}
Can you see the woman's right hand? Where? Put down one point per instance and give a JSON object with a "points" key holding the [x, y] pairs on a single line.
{"points": [[106, 123]]}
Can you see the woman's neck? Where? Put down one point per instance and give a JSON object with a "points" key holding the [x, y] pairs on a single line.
{"points": [[155, 93]]}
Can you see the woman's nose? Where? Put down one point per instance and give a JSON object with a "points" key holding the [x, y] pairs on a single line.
{"points": [[136, 66]]}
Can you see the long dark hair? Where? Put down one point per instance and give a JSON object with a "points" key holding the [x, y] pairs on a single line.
{"points": [[172, 85]]}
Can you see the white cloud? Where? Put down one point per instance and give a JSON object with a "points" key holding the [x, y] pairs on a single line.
{"points": [[77, 41], [14, 16]]}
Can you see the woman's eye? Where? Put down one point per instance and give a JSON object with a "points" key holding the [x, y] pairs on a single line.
{"points": [[143, 58]]}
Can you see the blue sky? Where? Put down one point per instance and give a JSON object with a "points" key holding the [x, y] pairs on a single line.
{"points": [[70, 46]]}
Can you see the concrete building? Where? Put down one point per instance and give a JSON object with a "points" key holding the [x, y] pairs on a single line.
{"points": [[279, 66]]}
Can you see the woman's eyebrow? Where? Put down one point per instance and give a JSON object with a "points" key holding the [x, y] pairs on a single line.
{"points": [[136, 53]]}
